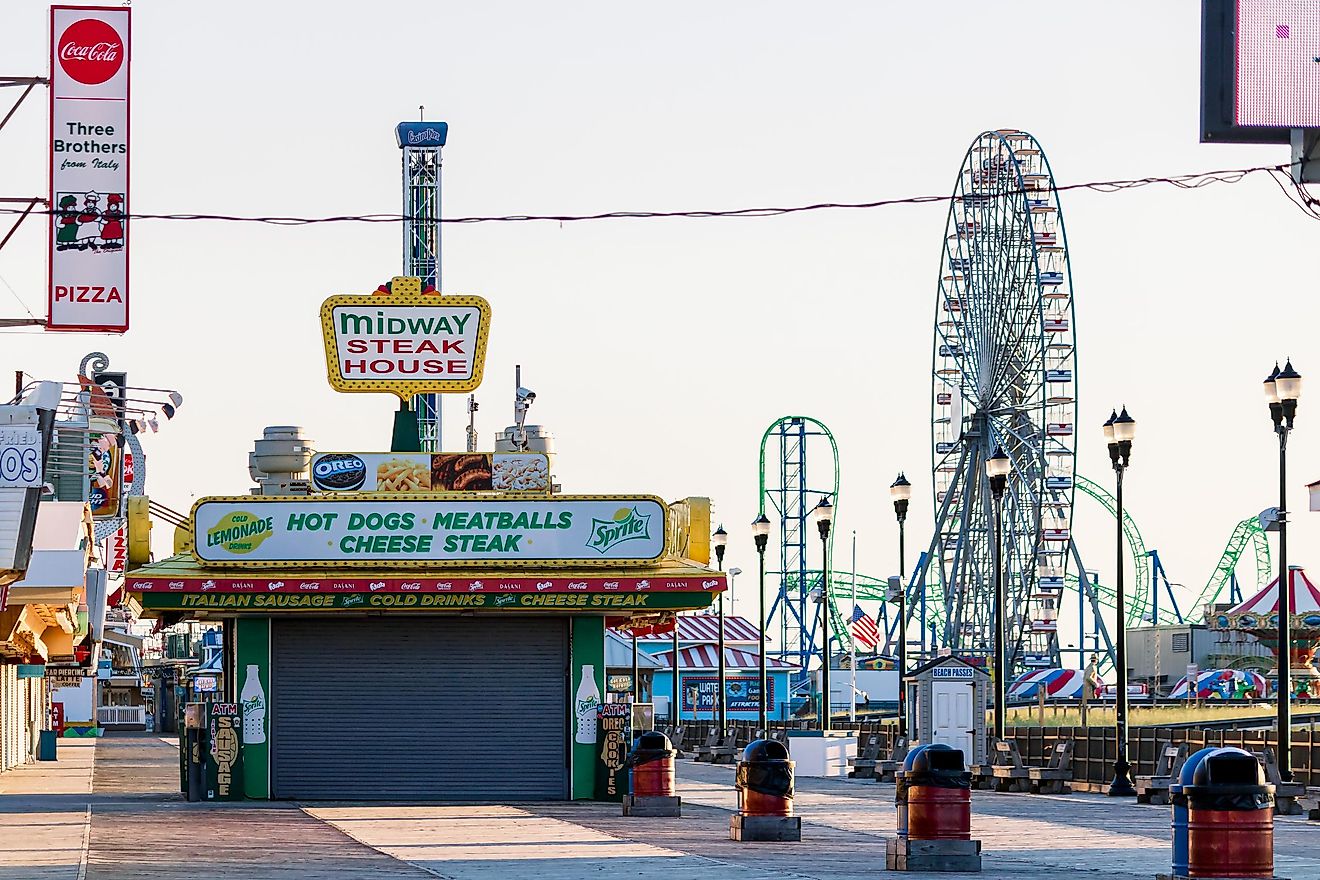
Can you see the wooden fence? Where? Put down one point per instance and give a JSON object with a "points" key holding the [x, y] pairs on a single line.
{"points": [[1094, 748]]}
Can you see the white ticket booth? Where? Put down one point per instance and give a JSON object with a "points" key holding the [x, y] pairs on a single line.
{"points": [[948, 700]]}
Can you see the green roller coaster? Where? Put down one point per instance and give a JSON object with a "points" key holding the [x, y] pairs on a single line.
{"points": [[1142, 604]]}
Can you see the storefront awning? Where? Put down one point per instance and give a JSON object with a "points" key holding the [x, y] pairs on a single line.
{"points": [[121, 638], [53, 577], [180, 584]]}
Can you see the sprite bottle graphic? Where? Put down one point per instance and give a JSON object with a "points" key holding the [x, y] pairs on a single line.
{"points": [[253, 698], [586, 701]]}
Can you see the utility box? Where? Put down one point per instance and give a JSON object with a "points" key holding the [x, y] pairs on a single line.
{"points": [[948, 700]]}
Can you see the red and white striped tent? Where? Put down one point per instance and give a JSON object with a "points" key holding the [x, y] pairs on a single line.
{"points": [[705, 628], [1304, 599], [706, 657]]}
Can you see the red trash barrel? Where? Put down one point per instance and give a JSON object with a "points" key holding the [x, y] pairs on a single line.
{"points": [[651, 766], [1230, 817], [765, 780], [939, 796]]}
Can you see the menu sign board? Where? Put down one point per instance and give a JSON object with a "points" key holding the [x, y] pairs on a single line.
{"points": [[613, 739], [405, 342], [434, 531], [431, 472]]}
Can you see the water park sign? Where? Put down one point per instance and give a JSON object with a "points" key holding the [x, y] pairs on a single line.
{"points": [[88, 283], [405, 341], [440, 531]]}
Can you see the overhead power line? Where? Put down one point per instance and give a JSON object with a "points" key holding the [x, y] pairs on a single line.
{"points": [[1194, 180]]}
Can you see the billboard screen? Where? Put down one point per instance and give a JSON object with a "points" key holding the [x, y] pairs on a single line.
{"points": [[1277, 48], [89, 201]]}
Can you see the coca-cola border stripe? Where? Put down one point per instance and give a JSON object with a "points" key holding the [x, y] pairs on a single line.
{"points": [[88, 172], [194, 584]]}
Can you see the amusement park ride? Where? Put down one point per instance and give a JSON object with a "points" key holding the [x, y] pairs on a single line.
{"points": [[1004, 375]]}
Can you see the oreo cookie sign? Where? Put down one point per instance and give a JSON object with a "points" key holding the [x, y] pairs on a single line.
{"points": [[339, 472]]}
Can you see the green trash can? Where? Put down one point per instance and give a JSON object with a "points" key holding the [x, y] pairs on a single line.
{"points": [[46, 742]]}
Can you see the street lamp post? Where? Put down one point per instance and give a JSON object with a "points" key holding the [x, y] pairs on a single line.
{"points": [[997, 467], [676, 698], [1282, 390], [901, 491], [719, 540], [1120, 431], [761, 534], [823, 515]]}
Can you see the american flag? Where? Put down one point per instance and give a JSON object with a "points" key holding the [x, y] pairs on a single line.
{"points": [[864, 630]]}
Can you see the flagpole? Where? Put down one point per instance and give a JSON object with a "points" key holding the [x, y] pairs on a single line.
{"points": [[852, 638]]}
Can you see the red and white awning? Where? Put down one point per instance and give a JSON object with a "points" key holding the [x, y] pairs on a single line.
{"points": [[1303, 597], [706, 628], [706, 657]]}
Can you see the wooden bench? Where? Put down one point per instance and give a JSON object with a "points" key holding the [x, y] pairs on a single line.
{"points": [[703, 750], [1008, 773], [1054, 777], [676, 739], [726, 751], [1155, 789], [885, 770], [1285, 793], [863, 766]]}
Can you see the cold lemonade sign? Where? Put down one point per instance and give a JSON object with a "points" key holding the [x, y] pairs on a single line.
{"points": [[405, 341], [576, 530]]}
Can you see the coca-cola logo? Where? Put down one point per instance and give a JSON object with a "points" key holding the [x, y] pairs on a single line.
{"points": [[90, 51]]}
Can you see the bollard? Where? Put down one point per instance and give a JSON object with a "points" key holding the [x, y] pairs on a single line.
{"points": [[1178, 810], [939, 796], [651, 778], [765, 795], [1230, 817], [933, 796]]}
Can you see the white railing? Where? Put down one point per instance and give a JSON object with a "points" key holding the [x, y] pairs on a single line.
{"points": [[121, 715]]}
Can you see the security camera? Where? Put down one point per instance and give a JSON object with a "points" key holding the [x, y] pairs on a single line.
{"points": [[526, 395]]}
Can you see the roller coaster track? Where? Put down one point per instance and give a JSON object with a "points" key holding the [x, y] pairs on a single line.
{"points": [[1138, 597]]}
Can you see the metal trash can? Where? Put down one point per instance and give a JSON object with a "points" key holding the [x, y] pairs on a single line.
{"points": [[901, 788], [1178, 810], [765, 780], [46, 745], [1230, 817], [651, 766], [939, 795]]}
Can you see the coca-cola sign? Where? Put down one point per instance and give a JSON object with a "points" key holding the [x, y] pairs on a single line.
{"points": [[90, 51]]}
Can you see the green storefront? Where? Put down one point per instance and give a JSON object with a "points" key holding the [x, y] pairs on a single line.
{"points": [[430, 679]]}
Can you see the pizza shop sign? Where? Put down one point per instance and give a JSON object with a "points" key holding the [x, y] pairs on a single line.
{"points": [[405, 341], [439, 531]]}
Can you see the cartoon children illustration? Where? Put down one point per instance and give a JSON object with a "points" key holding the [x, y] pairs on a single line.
{"points": [[89, 222], [67, 216], [112, 226]]}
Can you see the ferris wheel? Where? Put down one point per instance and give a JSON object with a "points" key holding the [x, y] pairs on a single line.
{"points": [[1004, 375]]}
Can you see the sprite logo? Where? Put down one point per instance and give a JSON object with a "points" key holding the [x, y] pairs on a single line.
{"points": [[627, 525]]}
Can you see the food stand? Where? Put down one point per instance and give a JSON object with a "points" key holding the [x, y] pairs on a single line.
{"points": [[394, 637]]}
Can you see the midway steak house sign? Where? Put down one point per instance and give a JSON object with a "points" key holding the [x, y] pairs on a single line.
{"points": [[568, 530], [405, 342], [89, 201]]}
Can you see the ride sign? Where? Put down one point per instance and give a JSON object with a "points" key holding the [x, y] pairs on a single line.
{"points": [[405, 341], [439, 530]]}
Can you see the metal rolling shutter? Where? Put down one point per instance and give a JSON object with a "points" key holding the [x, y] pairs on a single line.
{"points": [[417, 707]]}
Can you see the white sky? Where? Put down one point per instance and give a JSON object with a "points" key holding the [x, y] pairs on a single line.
{"points": [[661, 350]]}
